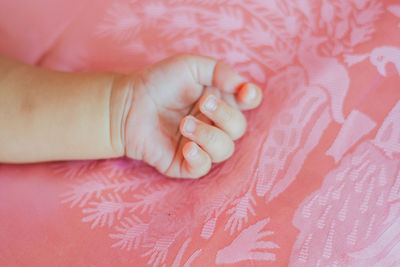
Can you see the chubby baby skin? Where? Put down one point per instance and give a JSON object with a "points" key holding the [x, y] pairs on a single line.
{"points": [[179, 115]]}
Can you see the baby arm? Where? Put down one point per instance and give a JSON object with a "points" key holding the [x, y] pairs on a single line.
{"points": [[161, 114], [48, 115]]}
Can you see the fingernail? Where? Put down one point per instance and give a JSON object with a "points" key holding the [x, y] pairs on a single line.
{"points": [[248, 93], [189, 125], [210, 103], [251, 93], [192, 152]]}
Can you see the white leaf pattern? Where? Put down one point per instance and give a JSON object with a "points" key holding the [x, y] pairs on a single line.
{"points": [[248, 245], [282, 38]]}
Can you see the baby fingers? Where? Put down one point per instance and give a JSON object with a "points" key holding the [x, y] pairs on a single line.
{"points": [[218, 145], [226, 117]]}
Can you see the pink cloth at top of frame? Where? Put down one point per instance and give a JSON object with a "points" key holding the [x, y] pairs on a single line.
{"points": [[314, 182]]}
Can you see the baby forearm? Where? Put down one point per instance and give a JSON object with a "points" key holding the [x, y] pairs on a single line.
{"points": [[47, 115]]}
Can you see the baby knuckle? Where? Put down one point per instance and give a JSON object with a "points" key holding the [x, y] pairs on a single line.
{"points": [[205, 168], [212, 137], [226, 115], [230, 149], [224, 151], [238, 131], [202, 168]]}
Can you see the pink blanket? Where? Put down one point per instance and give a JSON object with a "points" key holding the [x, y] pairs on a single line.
{"points": [[314, 182]]}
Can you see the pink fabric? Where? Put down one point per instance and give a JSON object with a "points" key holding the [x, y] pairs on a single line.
{"points": [[314, 182]]}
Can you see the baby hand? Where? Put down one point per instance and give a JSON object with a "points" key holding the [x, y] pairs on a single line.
{"points": [[185, 114]]}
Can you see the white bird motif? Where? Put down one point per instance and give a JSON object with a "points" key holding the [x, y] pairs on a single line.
{"points": [[379, 57], [325, 72]]}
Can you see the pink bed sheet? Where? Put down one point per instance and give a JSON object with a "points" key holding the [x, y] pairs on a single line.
{"points": [[314, 182]]}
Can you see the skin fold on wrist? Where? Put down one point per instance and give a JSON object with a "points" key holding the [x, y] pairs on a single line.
{"points": [[121, 98]]}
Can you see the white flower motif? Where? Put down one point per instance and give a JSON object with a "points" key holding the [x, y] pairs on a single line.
{"points": [[229, 19], [182, 20], [154, 10], [121, 23], [236, 56]]}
